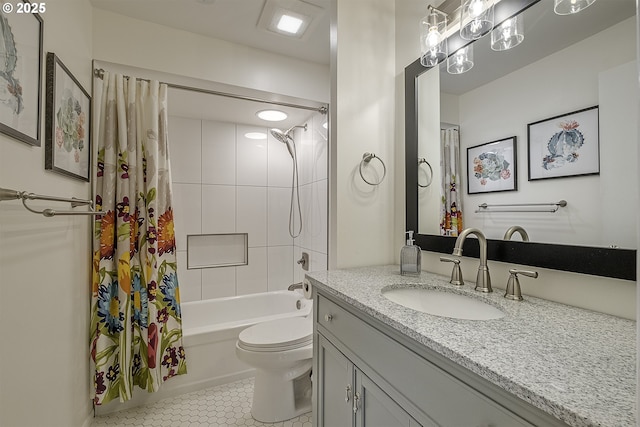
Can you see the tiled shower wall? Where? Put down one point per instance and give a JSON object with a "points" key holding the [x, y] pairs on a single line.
{"points": [[224, 182]]}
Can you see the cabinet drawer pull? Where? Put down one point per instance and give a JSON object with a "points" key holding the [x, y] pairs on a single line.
{"points": [[356, 401], [328, 317], [347, 396]]}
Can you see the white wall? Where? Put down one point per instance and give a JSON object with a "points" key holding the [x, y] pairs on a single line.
{"points": [[45, 264], [429, 127], [313, 157], [124, 40], [363, 101], [224, 182]]}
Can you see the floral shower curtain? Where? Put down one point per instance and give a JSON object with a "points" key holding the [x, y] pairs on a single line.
{"points": [[451, 206], [136, 326]]}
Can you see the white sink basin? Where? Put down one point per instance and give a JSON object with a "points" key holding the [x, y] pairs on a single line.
{"points": [[442, 303]]}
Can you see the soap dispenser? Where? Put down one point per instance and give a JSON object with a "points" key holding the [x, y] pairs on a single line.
{"points": [[410, 257]]}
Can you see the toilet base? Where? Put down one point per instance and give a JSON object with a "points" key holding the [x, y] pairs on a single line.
{"points": [[282, 395]]}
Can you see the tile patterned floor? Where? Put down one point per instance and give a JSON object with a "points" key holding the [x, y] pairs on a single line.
{"points": [[222, 406]]}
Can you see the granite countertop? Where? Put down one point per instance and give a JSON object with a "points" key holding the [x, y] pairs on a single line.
{"points": [[575, 364]]}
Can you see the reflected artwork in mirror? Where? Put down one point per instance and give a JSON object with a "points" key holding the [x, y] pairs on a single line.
{"points": [[560, 66]]}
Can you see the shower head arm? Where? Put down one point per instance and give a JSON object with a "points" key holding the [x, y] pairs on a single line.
{"points": [[293, 127]]}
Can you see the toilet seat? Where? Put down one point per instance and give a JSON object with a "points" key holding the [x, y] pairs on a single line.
{"points": [[277, 335]]}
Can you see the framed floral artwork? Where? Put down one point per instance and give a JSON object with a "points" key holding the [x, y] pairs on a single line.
{"points": [[491, 167], [20, 75], [67, 122], [565, 145]]}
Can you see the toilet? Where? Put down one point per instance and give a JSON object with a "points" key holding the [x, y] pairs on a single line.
{"points": [[281, 351]]}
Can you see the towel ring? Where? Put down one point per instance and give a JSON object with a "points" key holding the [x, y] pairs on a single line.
{"points": [[422, 160], [366, 158]]}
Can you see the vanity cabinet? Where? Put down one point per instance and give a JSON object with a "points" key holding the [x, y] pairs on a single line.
{"points": [[350, 398], [365, 373]]}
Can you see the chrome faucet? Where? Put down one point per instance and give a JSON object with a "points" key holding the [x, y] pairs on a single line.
{"points": [[483, 280], [511, 230]]}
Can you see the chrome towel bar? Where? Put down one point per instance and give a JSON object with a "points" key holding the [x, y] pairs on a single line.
{"points": [[6, 194], [523, 207]]}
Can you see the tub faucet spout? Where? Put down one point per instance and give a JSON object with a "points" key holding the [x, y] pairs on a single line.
{"points": [[483, 280], [294, 286]]}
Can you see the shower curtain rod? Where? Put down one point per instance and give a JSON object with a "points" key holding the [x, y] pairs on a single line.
{"points": [[99, 73]]}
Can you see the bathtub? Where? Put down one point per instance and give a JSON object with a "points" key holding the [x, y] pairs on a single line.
{"points": [[210, 330]]}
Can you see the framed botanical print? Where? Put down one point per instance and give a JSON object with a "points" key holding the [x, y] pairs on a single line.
{"points": [[491, 167], [565, 145], [20, 75], [67, 122]]}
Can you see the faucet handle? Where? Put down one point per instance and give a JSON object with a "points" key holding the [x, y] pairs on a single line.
{"points": [[456, 273], [513, 284]]}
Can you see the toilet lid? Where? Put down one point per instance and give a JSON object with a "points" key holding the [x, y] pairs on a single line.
{"points": [[292, 332]]}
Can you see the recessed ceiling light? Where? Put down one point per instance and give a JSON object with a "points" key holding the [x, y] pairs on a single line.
{"points": [[289, 24], [272, 115], [291, 18], [255, 135]]}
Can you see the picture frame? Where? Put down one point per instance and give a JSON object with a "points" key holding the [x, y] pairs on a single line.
{"points": [[563, 146], [491, 167], [67, 122], [21, 74]]}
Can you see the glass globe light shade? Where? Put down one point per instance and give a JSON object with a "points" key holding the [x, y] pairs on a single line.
{"points": [[461, 61], [568, 7], [433, 44], [508, 35], [476, 18]]}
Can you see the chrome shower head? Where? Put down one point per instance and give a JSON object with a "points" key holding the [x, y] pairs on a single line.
{"points": [[285, 137], [280, 136]]}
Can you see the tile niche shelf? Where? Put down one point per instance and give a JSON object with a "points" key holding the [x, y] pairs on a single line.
{"points": [[217, 250]]}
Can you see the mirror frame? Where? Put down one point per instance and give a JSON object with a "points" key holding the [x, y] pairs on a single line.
{"points": [[598, 261]]}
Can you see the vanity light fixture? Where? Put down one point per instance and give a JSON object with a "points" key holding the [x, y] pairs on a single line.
{"points": [[476, 18], [433, 42], [272, 115], [508, 35], [461, 61], [568, 7]]}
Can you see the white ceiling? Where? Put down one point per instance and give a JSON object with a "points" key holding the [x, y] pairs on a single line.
{"points": [[234, 21]]}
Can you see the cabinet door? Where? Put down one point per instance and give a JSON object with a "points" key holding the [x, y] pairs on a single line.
{"points": [[335, 387], [375, 408]]}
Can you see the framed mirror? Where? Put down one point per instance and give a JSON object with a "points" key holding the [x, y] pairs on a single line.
{"points": [[564, 64]]}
